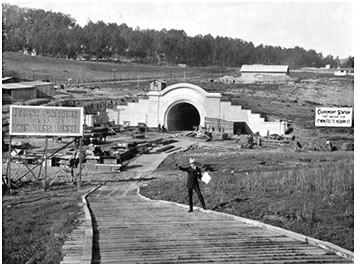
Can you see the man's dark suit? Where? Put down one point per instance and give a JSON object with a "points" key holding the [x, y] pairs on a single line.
{"points": [[192, 183]]}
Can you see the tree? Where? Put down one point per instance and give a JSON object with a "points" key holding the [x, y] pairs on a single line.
{"points": [[349, 62], [13, 28], [173, 44], [57, 34]]}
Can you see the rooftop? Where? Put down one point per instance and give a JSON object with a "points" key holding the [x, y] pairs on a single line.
{"points": [[36, 83], [6, 79], [158, 80], [16, 86], [264, 68]]}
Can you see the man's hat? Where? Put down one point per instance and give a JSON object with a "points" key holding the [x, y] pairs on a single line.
{"points": [[192, 160]]}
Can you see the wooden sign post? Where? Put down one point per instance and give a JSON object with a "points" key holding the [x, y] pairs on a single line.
{"points": [[45, 165], [80, 162], [9, 167]]}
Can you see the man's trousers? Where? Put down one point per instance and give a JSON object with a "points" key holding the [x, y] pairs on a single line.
{"points": [[201, 199]]}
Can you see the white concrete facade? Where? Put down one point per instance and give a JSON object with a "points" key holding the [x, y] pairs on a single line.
{"points": [[163, 106]]}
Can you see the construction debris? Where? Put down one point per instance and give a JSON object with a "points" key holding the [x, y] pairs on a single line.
{"points": [[244, 141], [198, 134], [164, 148], [347, 147]]}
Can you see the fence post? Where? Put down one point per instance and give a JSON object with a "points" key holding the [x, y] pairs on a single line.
{"points": [[9, 167], [80, 162], [45, 159]]}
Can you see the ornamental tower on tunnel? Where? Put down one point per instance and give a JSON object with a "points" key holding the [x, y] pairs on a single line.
{"points": [[184, 106]]}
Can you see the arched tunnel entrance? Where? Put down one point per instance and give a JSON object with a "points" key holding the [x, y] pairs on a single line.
{"points": [[182, 116]]}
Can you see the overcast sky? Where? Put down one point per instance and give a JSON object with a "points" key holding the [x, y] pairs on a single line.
{"points": [[323, 26]]}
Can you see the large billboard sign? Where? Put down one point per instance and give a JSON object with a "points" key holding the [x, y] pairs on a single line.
{"points": [[333, 117], [46, 121]]}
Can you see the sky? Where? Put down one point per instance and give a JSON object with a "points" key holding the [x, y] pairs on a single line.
{"points": [[323, 26]]}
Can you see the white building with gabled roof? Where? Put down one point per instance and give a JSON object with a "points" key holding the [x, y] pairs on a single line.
{"points": [[253, 71]]}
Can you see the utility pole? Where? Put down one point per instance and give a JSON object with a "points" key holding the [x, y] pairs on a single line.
{"points": [[80, 161], [33, 73], [114, 70], [45, 159], [9, 167]]}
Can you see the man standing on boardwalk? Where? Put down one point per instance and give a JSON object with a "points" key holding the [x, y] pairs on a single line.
{"points": [[194, 173]]}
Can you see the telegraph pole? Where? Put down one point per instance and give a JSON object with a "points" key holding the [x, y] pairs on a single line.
{"points": [[114, 70], [33, 73]]}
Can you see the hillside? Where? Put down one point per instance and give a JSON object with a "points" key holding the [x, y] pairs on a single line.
{"points": [[60, 70]]}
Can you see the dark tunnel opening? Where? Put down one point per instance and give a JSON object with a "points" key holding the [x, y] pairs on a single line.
{"points": [[183, 116]]}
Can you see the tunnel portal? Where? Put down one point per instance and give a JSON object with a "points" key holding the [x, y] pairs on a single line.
{"points": [[182, 116]]}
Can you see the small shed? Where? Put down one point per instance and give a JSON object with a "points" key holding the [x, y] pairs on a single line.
{"points": [[340, 72], [157, 85], [9, 80], [343, 71], [252, 71], [43, 89], [89, 120], [227, 79], [19, 91]]}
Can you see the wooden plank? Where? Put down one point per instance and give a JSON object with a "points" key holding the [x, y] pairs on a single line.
{"points": [[78, 245], [188, 236], [228, 259], [213, 249], [217, 256], [108, 166], [233, 257], [118, 249]]}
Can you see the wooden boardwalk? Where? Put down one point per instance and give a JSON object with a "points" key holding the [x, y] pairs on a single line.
{"points": [[128, 228], [131, 229]]}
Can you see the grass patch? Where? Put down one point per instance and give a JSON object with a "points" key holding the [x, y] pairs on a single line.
{"points": [[60, 70], [36, 224], [317, 202]]}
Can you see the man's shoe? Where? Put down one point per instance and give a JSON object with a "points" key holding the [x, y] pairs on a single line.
{"points": [[190, 211]]}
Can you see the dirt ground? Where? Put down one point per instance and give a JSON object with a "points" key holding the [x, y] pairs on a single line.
{"points": [[253, 183]]}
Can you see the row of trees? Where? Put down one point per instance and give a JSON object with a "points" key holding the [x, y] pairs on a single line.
{"points": [[56, 34]]}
